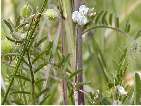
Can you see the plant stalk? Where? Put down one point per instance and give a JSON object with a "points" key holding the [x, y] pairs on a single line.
{"points": [[64, 82], [64, 86], [66, 6], [79, 61], [79, 66]]}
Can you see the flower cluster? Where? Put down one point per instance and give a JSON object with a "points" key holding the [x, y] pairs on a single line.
{"points": [[51, 14], [80, 17]]}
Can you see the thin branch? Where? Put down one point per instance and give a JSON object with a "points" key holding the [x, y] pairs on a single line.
{"points": [[104, 26], [32, 78]]}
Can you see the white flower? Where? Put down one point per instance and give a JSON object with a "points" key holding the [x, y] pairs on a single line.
{"points": [[83, 10], [82, 20], [75, 16], [121, 90], [79, 18]]}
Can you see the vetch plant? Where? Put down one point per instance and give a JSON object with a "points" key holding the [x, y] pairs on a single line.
{"points": [[81, 17], [46, 60]]}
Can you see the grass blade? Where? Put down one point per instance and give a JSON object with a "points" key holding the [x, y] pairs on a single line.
{"points": [[137, 89]]}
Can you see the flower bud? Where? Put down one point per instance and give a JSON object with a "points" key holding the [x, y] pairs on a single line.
{"points": [[91, 12], [26, 10], [51, 14]]}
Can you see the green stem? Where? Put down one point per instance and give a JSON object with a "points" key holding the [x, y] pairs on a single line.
{"points": [[104, 26], [32, 79]]}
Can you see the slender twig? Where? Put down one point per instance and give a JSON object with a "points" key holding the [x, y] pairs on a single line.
{"points": [[79, 63], [64, 86], [104, 26], [32, 78]]}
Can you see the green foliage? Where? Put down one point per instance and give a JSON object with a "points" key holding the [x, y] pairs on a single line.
{"points": [[102, 62], [122, 68], [27, 43], [9, 25], [38, 55]]}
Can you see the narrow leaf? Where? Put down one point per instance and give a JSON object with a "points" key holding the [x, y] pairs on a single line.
{"points": [[104, 21], [117, 22], [137, 89], [21, 77], [127, 27], [13, 40], [98, 17], [110, 19], [40, 67], [101, 61], [22, 92], [7, 22], [74, 74]]}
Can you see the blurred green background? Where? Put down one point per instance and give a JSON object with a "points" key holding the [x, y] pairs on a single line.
{"points": [[111, 43]]}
